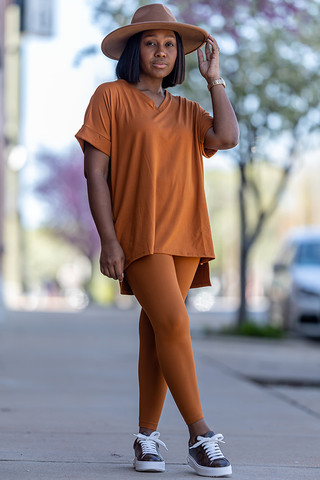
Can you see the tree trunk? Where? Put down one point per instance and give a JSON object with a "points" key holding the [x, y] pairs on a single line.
{"points": [[243, 246], [248, 239], [242, 313]]}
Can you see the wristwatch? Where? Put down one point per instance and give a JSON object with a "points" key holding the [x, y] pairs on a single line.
{"points": [[219, 81]]}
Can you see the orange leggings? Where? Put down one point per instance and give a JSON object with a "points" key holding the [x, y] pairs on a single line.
{"points": [[160, 283]]}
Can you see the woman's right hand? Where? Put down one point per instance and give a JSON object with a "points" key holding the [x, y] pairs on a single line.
{"points": [[112, 260]]}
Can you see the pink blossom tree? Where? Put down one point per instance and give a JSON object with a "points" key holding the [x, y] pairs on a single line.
{"points": [[62, 188]]}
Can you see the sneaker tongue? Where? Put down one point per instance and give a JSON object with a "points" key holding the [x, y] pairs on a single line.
{"points": [[208, 434]]}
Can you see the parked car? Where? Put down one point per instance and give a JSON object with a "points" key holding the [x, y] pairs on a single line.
{"points": [[295, 290]]}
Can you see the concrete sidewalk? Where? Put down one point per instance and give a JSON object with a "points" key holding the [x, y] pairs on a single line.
{"points": [[68, 401]]}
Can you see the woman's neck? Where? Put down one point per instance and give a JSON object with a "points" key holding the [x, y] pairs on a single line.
{"points": [[153, 85]]}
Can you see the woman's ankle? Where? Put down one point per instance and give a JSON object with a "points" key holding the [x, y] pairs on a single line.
{"points": [[146, 431], [197, 428]]}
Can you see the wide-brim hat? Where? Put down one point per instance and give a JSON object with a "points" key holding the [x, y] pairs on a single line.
{"points": [[153, 17]]}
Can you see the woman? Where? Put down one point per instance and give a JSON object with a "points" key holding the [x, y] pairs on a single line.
{"points": [[143, 152]]}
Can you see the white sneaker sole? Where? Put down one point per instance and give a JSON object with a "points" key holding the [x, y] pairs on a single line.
{"points": [[208, 471], [143, 466]]}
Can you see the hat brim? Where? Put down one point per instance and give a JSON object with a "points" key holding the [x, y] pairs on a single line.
{"points": [[192, 37]]}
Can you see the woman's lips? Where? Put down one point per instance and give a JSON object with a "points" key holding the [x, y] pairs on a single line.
{"points": [[160, 65]]}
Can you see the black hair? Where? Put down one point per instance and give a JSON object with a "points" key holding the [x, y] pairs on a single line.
{"points": [[128, 64], [128, 67]]}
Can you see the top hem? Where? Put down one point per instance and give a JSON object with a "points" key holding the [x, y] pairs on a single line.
{"points": [[201, 277]]}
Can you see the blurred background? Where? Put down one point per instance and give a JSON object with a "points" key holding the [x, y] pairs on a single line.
{"points": [[258, 194]]}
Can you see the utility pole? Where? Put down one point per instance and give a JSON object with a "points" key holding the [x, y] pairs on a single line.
{"points": [[17, 18], [11, 265], [2, 141], [3, 6]]}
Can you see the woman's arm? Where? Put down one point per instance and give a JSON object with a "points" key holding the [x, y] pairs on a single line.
{"points": [[225, 131], [96, 165]]}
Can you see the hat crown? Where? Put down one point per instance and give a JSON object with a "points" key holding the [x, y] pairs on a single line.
{"points": [[155, 12]]}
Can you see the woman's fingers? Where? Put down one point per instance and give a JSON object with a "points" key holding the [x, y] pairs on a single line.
{"points": [[209, 61], [213, 42], [112, 260], [115, 272], [207, 49], [118, 271], [200, 56], [211, 46]]}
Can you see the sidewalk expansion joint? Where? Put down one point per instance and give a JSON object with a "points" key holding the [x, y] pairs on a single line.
{"points": [[294, 403], [172, 464], [75, 462], [78, 462], [284, 382]]}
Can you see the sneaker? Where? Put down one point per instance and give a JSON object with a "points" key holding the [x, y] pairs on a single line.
{"points": [[206, 458], [147, 457]]}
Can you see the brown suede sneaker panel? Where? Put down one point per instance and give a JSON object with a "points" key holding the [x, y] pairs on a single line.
{"points": [[148, 457], [200, 456]]}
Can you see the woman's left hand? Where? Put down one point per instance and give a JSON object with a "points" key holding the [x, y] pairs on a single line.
{"points": [[209, 68]]}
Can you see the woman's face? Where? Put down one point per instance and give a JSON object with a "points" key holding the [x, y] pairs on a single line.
{"points": [[158, 53]]}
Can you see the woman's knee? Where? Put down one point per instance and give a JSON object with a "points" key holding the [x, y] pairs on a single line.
{"points": [[173, 324]]}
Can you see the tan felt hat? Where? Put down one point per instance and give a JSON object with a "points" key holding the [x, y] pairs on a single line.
{"points": [[152, 17]]}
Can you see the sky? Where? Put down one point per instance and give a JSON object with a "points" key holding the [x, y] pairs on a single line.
{"points": [[55, 93]]}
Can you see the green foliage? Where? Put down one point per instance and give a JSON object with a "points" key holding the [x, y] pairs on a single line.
{"points": [[252, 329]]}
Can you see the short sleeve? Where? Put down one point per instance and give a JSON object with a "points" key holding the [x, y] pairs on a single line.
{"points": [[205, 124], [96, 128]]}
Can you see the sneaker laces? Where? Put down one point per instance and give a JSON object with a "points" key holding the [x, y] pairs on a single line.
{"points": [[211, 445], [148, 443]]}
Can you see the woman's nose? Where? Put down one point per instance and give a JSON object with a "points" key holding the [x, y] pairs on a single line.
{"points": [[160, 53]]}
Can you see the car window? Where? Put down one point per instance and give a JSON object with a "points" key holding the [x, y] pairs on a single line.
{"points": [[287, 254], [308, 254]]}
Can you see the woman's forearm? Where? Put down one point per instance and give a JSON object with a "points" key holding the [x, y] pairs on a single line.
{"points": [[225, 125], [112, 258]]}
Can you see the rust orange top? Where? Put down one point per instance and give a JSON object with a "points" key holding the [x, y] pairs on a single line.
{"points": [[156, 172]]}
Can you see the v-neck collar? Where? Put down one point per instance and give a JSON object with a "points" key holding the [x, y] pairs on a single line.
{"points": [[147, 99]]}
